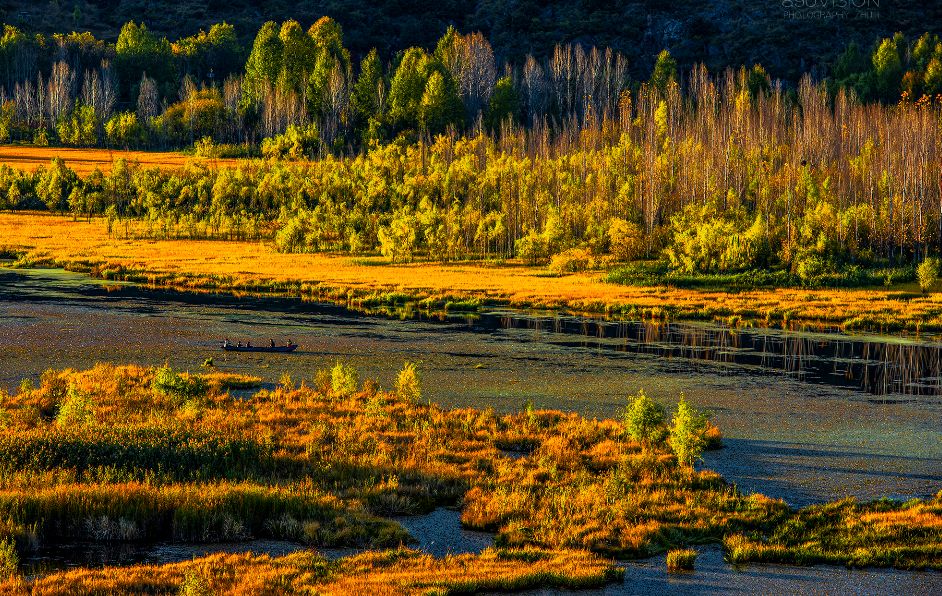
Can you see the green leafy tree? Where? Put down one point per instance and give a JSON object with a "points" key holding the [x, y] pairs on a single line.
{"points": [[124, 130], [504, 104], [441, 105], [687, 435], [407, 89], [644, 420], [368, 92], [54, 185], [888, 69], [927, 273], [138, 50], [665, 71], [217, 51], [299, 54], [399, 239], [79, 127], [932, 80], [264, 62]]}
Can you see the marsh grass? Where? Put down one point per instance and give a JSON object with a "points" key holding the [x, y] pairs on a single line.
{"points": [[399, 571], [325, 464], [681, 559]]}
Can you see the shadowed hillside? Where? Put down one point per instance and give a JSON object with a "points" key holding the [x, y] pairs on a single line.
{"points": [[721, 32]]}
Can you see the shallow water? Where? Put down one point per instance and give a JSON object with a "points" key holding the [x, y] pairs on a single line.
{"points": [[713, 576], [438, 533], [807, 417]]}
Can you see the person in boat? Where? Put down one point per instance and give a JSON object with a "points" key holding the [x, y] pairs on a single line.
{"points": [[240, 344], [289, 343], [225, 343], [271, 343], [248, 344]]}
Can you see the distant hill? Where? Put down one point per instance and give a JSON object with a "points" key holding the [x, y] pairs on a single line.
{"points": [[786, 38]]}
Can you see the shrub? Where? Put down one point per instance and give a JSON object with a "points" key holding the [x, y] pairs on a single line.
{"points": [[343, 379], [195, 583], [532, 248], [323, 381], [407, 384], [810, 268], [927, 273], [9, 559], [76, 409], [687, 434], [681, 559], [644, 420], [626, 239], [296, 142], [179, 388], [572, 261]]}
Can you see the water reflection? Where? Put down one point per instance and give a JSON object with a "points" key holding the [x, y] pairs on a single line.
{"points": [[881, 366]]}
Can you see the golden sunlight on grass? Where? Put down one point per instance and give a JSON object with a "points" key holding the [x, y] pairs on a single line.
{"points": [[84, 161], [253, 266], [383, 572]]}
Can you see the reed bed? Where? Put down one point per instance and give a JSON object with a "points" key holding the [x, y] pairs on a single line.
{"points": [[386, 572], [323, 459]]}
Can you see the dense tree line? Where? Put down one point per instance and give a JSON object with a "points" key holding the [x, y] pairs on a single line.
{"points": [[444, 154], [304, 91], [729, 176]]}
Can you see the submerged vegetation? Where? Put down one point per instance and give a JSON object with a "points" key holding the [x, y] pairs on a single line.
{"points": [[325, 463]]}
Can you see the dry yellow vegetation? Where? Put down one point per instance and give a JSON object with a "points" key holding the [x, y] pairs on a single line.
{"points": [[387, 572], [255, 266], [84, 161]]}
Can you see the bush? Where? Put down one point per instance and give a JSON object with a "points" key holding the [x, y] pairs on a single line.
{"points": [[407, 384], [179, 388], [9, 559], [681, 559], [343, 379], [295, 143], [76, 409], [688, 433], [927, 273], [626, 239], [810, 268], [532, 248], [644, 420], [572, 261]]}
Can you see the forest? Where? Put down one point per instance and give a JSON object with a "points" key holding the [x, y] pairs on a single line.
{"points": [[446, 155]]}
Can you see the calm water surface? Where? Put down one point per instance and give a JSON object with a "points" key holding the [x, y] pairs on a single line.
{"points": [[807, 417]]}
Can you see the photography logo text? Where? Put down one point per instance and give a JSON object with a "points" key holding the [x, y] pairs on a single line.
{"points": [[826, 10]]}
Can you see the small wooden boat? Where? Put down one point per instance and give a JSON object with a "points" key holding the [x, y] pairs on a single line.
{"points": [[277, 349]]}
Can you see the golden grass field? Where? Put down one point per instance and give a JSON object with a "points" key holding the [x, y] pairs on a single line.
{"points": [[255, 266], [84, 161]]}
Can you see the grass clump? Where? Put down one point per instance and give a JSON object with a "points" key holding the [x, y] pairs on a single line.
{"points": [[400, 571], [681, 559]]}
